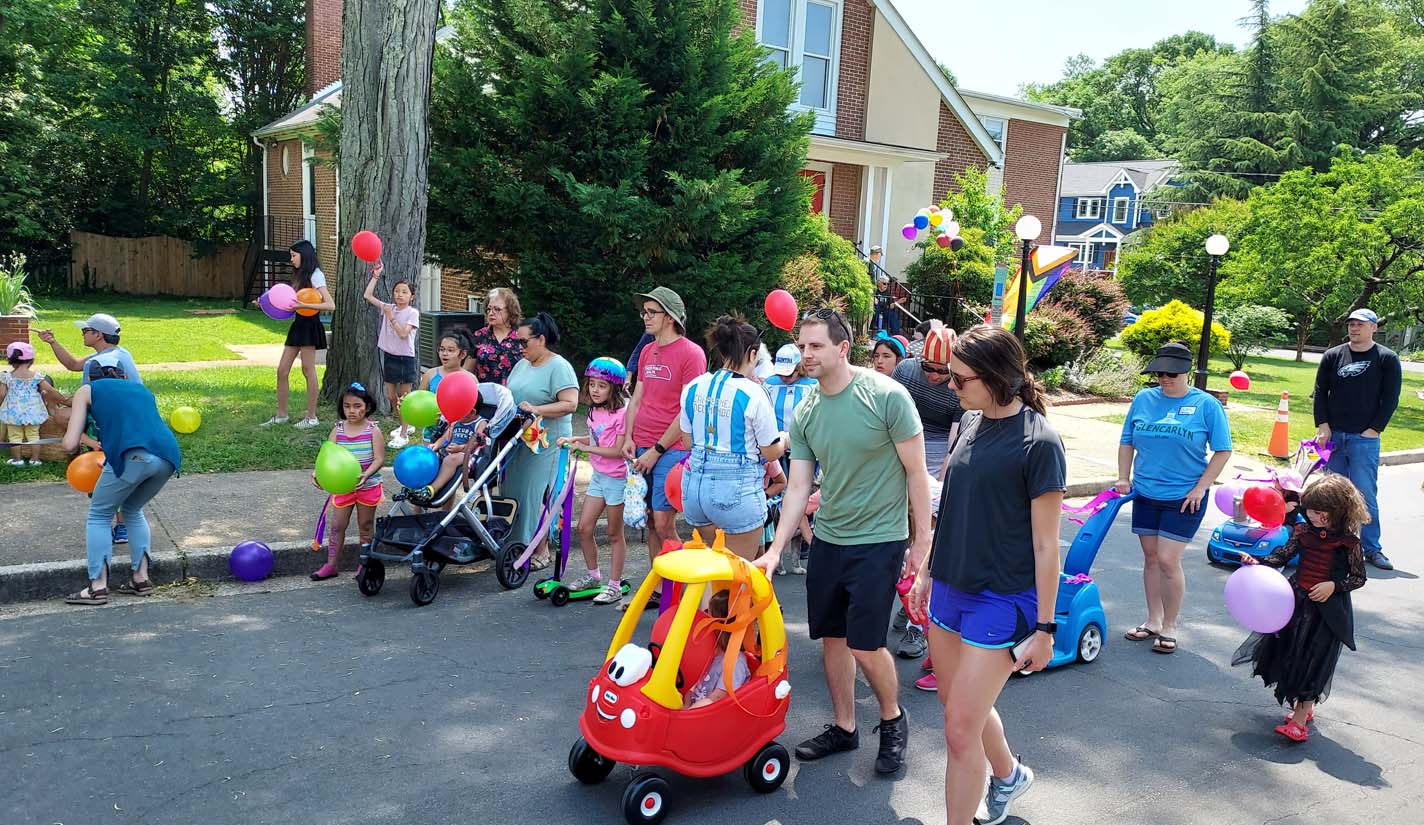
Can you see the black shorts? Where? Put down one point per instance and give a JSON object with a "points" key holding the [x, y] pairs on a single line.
{"points": [[850, 590], [398, 369]]}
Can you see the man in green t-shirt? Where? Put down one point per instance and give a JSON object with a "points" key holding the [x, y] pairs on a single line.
{"points": [[864, 431]]}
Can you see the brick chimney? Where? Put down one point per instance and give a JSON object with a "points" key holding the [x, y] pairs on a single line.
{"points": [[323, 31]]}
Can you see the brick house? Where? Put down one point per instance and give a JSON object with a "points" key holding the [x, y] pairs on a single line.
{"points": [[890, 132]]}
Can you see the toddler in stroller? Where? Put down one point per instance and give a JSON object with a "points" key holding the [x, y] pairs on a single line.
{"points": [[469, 522]]}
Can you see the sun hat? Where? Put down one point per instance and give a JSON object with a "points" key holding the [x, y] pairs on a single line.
{"points": [[670, 301], [1173, 358], [608, 369], [100, 323], [1367, 315], [939, 343], [20, 351], [787, 359]]}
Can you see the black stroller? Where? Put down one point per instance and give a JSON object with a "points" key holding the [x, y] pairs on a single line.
{"points": [[476, 526]]}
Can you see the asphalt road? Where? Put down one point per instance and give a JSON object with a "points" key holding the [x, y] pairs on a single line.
{"points": [[312, 704]]}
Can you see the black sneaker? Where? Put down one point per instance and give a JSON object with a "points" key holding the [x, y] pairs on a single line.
{"points": [[894, 739], [832, 740]]}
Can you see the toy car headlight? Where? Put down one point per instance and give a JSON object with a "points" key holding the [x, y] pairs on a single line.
{"points": [[629, 664], [1262, 544], [1216, 534]]}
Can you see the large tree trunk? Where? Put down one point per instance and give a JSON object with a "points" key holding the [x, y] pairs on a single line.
{"points": [[387, 50]]}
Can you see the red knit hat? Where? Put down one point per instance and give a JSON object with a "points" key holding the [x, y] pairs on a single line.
{"points": [[938, 344]]}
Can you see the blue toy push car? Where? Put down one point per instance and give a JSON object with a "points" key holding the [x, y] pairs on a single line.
{"points": [[1233, 538]]}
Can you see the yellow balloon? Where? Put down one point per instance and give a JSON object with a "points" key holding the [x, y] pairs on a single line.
{"points": [[936, 218], [185, 420]]}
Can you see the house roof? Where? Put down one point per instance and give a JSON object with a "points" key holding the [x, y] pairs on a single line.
{"points": [[1098, 178], [304, 118], [1063, 111]]}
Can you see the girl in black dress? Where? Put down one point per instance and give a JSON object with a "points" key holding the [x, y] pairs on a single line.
{"points": [[305, 337], [1299, 660]]}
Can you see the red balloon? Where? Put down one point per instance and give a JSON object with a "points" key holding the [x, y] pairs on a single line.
{"points": [[1240, 380], [673, 486], [457, 395], [781, 309], [1265, 505], [367, 246], [943, 240]]}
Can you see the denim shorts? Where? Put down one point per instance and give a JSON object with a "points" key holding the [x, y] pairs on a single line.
{"points": [[984, 619], [724, 490], [399, 369], [1154, 517], [657, 484], [606, 487]]}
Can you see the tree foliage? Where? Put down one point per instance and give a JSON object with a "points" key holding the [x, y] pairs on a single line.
{"points": [[682, 170], [1169, 260], [1253, 329], [987, 229]]}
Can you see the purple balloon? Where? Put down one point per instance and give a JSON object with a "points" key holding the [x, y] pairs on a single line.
{"points": [[264, 302], [908, 230], [1259, 598], [1225, 499], [251, 561]]}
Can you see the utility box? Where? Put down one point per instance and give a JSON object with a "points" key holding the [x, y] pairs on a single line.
{"points": [[433, 326]]}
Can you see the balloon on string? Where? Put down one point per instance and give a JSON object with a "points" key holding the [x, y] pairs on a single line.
{"points": [[936, 219], [337, 470], [83, 472], [672, 486], [934, 209], [1240, 380], [458, 394], [416, 466], [948, 213], [922, 221], [282, 297], [1259, 598], [952, 227], [367, 246], [308, 296], [943, 241], [419, 408], [780, 309], [1265, 505], [908, 230]]}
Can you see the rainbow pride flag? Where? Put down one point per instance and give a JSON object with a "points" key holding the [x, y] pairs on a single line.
{"points": [[1048, 265]]}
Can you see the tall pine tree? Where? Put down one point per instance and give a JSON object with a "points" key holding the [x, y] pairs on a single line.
{"points": [[603, 148]]}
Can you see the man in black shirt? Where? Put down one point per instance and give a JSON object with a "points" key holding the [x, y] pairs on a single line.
{"points": [[1356, 392]]}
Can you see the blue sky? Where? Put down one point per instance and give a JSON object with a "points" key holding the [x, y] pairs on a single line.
{"points": [[995, 46]]}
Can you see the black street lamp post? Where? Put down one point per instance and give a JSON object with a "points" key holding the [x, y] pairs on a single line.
{"points": [[1216, 246], [1027, 230]]}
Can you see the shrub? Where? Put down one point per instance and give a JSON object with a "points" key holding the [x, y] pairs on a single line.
{"points": [[827, 273], [1097, 300], [1055, 336], [1105, 373], [15, 298], [1253, 327], [1174, 322], [1052, 378]]}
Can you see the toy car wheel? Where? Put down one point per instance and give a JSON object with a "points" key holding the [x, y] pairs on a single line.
{"points": [[767, 770], [541, 590], [588, 765], [1090, 643], [423, 588], [510, 577], [559, 597], [371, 577], [645, 799]]}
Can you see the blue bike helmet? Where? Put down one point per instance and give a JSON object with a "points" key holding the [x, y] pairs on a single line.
{"points": [[609, 369]]}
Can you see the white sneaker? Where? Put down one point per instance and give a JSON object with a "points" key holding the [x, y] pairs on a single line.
{"points": [[397, 440], [16, 462], [35, 462], [274, 420], [307, 424]]}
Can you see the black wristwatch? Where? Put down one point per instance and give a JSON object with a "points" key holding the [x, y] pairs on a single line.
{"points": [[1047, 627], [658, 445]]}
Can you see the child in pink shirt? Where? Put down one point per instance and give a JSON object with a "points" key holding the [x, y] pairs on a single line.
{"points": [[606, 411]]}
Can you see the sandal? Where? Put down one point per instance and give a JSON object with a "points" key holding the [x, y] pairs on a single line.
{"points": [[1141, 633], [1161, 645], [88, 596], [539, 564], [1309, 717], [1293, 731], [136, 588]]}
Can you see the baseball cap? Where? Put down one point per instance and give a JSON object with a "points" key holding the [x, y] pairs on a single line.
{"points": [[20, 351], [939, 342], [100, 323], [670, 301], [787, 359], [1366, 315], [876, 248]]}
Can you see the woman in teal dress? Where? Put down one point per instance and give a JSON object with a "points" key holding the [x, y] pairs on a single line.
{"points": [[543, 383]]}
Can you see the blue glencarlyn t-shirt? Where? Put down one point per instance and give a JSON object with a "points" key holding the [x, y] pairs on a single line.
{"points": [[1171, 437]]}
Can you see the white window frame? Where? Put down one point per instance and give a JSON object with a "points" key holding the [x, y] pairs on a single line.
{"points": [[791, 29], [1094, 213], [1082, 247], [308, 194], [1003, 137], [1123, 204], [825, 117]]}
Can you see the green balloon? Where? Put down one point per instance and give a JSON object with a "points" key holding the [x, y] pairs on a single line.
{"points": [[419, 408], [337, 470]]}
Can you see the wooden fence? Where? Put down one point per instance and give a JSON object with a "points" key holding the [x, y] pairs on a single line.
{"points": [[155, 266]]}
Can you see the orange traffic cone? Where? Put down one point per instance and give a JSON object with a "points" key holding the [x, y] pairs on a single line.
{"points": [[1280, 433]]}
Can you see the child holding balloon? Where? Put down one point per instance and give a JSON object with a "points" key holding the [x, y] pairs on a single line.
{"points": [[452, 351], [396, 341], [453, 447], [358, 434], [1299, 659]]}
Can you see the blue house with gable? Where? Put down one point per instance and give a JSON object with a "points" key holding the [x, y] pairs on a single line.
{"points": [[1099, 204]]}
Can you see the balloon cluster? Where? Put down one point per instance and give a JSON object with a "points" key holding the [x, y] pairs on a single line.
{"points": [[1265, 504], [940, 223]]}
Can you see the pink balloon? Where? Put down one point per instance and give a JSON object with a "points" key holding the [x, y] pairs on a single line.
{"points": [[282, 296], [1240, 380], [1225, 499], [1259, 598], [908, 230]]}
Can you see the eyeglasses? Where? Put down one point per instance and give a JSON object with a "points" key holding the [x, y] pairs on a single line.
{"points": [[520, 342], [960, 380], [826, 315], [493, 308], [649, 313], [1160, 375], [925, 367]]}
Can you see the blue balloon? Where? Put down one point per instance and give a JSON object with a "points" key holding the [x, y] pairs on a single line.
{"points": [[922, 221], [416, 466]]}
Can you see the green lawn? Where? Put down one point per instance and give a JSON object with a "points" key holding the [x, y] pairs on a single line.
{"points": [[157, 330], [233, 401], [1251, 429]]}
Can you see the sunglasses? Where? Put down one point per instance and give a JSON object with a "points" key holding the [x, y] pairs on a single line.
{"points": [[925, 367], [827, 315], [960, 380], [1161, 375]]}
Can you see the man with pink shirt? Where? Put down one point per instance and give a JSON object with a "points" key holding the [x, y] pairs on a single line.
{"points": [[665, 366]]}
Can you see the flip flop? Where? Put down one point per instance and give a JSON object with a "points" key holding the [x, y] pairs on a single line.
{"points": [[1141, 633], [1159, 645]]}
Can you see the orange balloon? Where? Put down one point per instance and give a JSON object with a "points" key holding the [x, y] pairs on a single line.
{"points": [[83, 472], [308, 296]]}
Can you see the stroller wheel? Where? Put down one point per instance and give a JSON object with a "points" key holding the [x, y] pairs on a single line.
{"points": [[424, 587], [510, 577], [371, 577]]}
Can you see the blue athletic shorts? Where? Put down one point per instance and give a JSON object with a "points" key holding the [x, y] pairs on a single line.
{"points": [[986, 619], [657, 484], [1154, 517]]}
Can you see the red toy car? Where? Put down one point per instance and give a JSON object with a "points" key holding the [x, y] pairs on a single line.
{"points": [[635, 710]]}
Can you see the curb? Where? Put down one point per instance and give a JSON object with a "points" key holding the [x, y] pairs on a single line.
{"points": [[1399, 457]]}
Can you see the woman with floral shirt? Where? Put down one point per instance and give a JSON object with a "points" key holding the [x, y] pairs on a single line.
{"points": [[495, 348]]}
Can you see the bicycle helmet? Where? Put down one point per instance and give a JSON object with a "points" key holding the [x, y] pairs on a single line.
{"points": [[609, 369]]}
